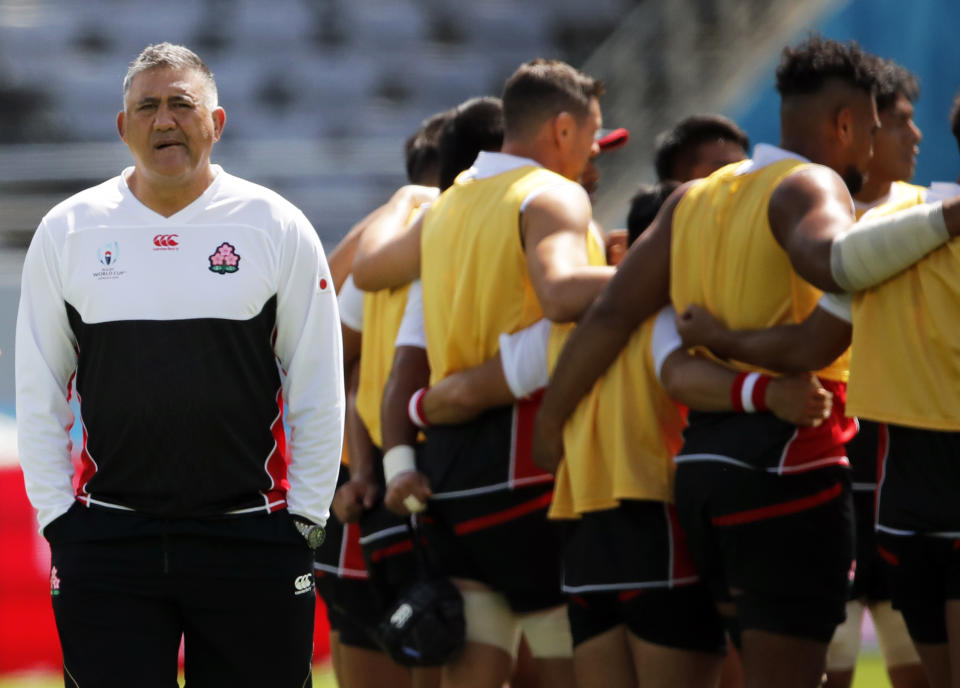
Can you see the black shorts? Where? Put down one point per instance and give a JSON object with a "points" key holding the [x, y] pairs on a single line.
{"points": [[866, 452], [343, 582], [488, 454], [487, 520], [918, 517], [871, 581], [924, 574], [635, 546], [683, 618], [341, 554], [919, 483], [782, 545], [245, 609], [631, 566], [387, 548], [502, 539], [353, 610]]}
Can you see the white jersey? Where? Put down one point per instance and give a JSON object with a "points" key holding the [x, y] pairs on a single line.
{"points": [[186, 335]]}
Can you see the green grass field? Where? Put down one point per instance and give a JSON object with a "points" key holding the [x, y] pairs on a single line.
{"points": [[870, 674]]}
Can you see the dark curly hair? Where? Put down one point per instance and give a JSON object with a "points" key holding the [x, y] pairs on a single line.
{"points": [[893, 80], [677, 145], [806, 67]]}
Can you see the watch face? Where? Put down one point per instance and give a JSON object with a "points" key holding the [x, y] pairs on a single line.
{"points": [[315, 536]]}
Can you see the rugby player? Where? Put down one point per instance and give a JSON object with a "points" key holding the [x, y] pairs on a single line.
{"points": [[356, 598], [530, 259], [765, 505]]}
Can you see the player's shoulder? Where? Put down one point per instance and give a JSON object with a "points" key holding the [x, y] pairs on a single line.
{"points": [[545, 188], [811, 184]]}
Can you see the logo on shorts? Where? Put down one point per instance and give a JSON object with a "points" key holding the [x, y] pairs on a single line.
{"points": [[225, 259], [54, 582], [400, 617], [302, 584], [166, 242]]}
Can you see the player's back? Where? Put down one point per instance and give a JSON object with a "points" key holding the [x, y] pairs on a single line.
{"points": [[473, 267], [725, 257]]}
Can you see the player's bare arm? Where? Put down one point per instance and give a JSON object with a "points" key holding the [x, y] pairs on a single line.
{"points": [[342, 255], [410, 372], [810, 345], [467, 393], [806, 211], [812, 219], [388, 252], [640, 287], [554, 227], [704, 385], [361, 491]]}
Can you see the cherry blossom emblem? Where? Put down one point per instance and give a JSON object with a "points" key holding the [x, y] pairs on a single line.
{"points": [[225, 259]]}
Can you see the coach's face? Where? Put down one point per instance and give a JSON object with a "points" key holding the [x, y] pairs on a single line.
{"points": [[170, 127]]}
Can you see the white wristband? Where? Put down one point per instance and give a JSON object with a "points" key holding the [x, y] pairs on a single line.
{"points": [[746, 392], [414, 409], [397, 460]]}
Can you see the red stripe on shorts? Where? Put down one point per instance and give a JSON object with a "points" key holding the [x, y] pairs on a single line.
{"points": [[393, 550], [781, 509], [888, 556], [514, 512]]}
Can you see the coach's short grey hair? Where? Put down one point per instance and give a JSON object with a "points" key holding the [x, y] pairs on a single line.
{"points": [[175, 57]]}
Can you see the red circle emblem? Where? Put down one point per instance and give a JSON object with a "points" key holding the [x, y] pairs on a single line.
{"points": [[323, 284]]}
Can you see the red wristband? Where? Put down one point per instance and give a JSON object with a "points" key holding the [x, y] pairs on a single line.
{"points": [[760, 392], [748, 394], [415, 409], [736, 391]]}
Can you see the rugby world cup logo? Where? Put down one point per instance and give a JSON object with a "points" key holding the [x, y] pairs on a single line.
{"points": [[225, 259], [108, 254]]}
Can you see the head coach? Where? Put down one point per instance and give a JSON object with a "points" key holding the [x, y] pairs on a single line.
{"points": [[188, 306]]}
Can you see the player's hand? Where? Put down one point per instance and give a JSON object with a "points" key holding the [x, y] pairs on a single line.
{"points": [[616, 240], [547, 443], [416, 195], [353, 498], [799, 399], [408, 493], [698, 328]]}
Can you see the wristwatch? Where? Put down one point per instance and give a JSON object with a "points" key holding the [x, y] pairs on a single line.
{"points": [[314, 534]]}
